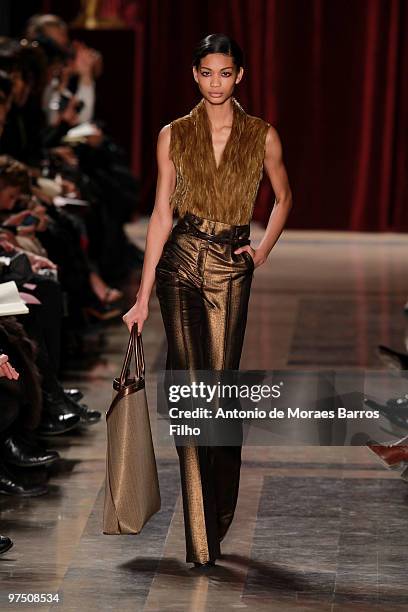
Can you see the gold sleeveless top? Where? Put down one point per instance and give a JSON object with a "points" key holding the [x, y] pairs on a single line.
{"points": [[225, 193]]}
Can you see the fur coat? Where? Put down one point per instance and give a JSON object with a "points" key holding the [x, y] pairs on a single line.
{"points": [[225, 193]]}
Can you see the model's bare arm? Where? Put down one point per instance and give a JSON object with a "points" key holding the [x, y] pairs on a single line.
{"points": [[158, 230], [276, 171]]}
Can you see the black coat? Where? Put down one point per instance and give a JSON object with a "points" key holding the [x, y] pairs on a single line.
{"points": [[22, 352]]}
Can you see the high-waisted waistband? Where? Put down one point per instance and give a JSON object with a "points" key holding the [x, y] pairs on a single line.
{"points": [[213, 231]]}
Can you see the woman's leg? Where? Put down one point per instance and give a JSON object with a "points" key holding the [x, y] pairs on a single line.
{"points": [[227, 291], [203, 290], [182, 311]]}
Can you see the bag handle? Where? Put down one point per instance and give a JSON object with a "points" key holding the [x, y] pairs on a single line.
{"points": [[135, 346]]}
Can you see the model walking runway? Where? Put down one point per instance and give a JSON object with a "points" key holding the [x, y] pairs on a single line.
{"points": [[210, 164]]}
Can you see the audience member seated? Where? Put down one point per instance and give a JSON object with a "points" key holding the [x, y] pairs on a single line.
{"points": [[63, 206]]}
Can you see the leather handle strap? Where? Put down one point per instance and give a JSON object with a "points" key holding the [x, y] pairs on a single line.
{"points": [[128, 356], [134, 347], [140, 355]]}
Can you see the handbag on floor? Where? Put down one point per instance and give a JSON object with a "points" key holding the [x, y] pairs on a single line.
{"points": [[132, 492]]}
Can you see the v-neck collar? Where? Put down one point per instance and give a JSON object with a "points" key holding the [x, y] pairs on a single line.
{"points": [[236, 128]]}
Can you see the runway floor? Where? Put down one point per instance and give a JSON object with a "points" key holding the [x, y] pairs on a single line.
{"points": [[316, 528]]}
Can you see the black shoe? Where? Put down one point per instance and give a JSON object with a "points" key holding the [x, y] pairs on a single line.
{"points": [[57, 424], [57, 402], [17, 451], [5, 544], [11, 485], [58, 416], [74, 394], [88, 416]]}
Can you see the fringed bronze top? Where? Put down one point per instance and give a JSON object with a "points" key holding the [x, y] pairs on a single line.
{"points": [[225, 193]]}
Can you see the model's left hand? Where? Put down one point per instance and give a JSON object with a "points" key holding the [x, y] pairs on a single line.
{"points": [[256, 255]]}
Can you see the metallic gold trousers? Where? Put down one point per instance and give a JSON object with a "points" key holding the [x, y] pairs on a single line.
{"points": [[203, 289]]}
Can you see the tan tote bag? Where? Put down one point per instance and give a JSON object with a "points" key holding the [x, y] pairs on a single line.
{"points": [[132, 492]]}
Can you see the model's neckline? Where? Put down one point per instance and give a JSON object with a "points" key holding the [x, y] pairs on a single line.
{"points": [[209, 133]]}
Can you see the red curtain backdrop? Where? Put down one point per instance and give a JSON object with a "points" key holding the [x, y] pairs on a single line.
{"points": [[330, 75]]}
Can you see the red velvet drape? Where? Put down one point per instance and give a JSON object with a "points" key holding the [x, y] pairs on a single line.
{"points": [[330, 75]]}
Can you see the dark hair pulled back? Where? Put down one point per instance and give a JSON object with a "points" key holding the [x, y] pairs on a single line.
{"points": [[218, 43]]}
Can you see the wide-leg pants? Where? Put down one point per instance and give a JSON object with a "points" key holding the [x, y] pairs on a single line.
{"points": [[203, 289]]}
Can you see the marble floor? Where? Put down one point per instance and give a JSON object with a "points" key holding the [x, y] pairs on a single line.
{"points": [[316, 528]]}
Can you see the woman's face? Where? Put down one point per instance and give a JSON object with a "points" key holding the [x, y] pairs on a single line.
{"points": [[216, 77]]}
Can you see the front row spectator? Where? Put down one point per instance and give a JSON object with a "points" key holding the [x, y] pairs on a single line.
{"points": [[64, 204]]}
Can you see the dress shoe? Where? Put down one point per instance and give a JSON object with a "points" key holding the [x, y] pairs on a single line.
{"points": [[56, 402], [5, 544], [75, 394], [393, 456], [88, 416], [57, 424], [10, 484], [58, 415], [17, 451]]}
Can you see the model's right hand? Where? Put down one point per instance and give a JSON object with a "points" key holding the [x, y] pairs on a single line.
{"points": [[137, 314]]}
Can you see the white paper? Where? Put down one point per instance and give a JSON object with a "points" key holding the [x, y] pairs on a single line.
{"points": [[10, 301], [81, 132]]}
